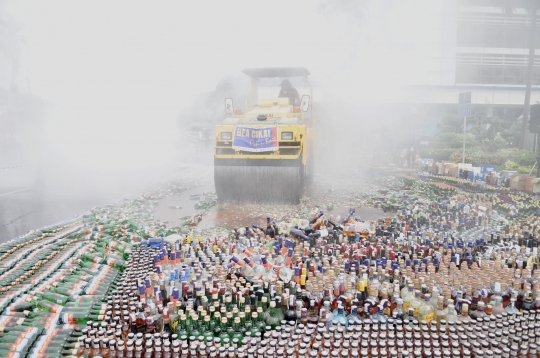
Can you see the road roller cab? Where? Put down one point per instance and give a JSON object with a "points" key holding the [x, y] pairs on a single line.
{"points": [[264, 152]]}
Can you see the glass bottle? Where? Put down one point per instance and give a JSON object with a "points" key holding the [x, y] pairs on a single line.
{"points": [[340, 317], [398, 312], [290, 314], [451, 315], [441, 311], [426, 311], [497, 305], [511, 309], [479, 312]]}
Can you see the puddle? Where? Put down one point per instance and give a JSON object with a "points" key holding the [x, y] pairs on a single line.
{"points": [[165, 213], [229, 215]]}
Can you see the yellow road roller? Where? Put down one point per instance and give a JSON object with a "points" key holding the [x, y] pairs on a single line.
{"points": [[264, 152]]}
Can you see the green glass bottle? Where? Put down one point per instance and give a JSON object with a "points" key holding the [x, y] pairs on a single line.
{"points": [[255, 327], [208, 331], [52, 297], [216, 324], [259, 321], [245, 318], [80, 317], [236, 330], [223, 330], [181, 327], [195, 327], [275, 315]]}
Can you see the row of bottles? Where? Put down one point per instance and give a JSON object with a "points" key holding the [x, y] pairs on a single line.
{"points": [[121, 284]]}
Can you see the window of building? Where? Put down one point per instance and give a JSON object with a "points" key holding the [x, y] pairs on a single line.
{"points": [[473, 68], [495, 30], [494, 75], [494, 3]]}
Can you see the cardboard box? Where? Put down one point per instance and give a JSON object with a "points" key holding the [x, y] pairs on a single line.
{"points": [[530, 182], [518, 181], [445, 169], [514, 181], [439, 168], [454, 171], [448, 168], [535, 185]]}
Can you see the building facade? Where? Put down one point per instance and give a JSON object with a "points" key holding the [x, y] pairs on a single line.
{"points": [[482, 47]]}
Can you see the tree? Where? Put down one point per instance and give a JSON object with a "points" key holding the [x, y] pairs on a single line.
{"points": [[495, 127], [453, 121]]}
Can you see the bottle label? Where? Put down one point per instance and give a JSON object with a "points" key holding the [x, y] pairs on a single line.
{"points": [[69, 318], [17, 345], [43, 344], [51, 321]]}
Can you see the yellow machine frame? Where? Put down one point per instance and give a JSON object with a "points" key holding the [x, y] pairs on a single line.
{"points": [[291, 153]]}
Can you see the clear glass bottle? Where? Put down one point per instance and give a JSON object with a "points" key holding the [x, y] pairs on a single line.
{"points": [[464, 316], [511, 309], [426, 311], [441, 311], [340, 317]]}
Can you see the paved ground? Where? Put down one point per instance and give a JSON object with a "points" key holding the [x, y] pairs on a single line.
{"points": [[31, 207], [229, 215], [24, 209], [27, 208]]}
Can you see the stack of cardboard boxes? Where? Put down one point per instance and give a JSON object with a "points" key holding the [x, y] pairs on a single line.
{"points": [[517, 181], [532, 185], [525, 182]]}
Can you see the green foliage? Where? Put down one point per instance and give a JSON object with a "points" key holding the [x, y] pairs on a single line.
{"points": [[483, 146], [452, 140], [453, 122], [512, 135], [445, 140], [495, 128], [523, 157], [495, 144], [511, 165], [438, 154]]}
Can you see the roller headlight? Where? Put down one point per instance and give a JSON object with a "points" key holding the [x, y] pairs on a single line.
{"points": [[226, 135], [286, 135]]}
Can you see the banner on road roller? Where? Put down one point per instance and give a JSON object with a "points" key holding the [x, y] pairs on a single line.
{"points": [[259, 139]]}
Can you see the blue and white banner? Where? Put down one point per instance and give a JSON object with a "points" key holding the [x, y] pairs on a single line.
{"points": [[255, 139]]}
